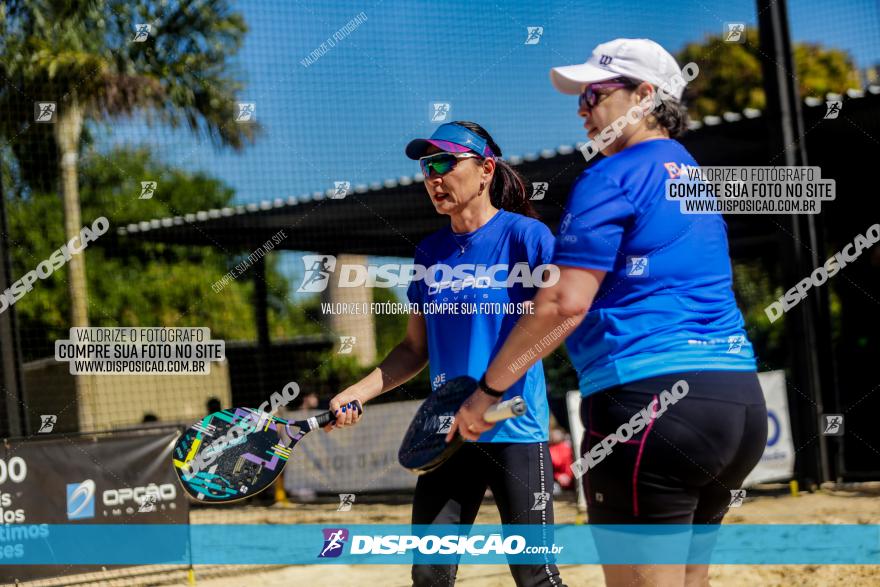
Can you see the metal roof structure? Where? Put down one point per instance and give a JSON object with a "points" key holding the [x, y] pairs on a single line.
{"points": [[391, 217]]}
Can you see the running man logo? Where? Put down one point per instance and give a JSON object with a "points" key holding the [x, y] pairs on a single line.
{"points": [[833, 109], [340, 189], [833, 425], [334, 541], [439, 111], [539, 190], [735, 343], [637, 266], [736, 497], [445, 424], [317, 272], [735, 32], [148, 188], [346, 500], [541, 501], [534, 35], [44, 112], [47, 423], [141, 32], [247, 112], [148, 504], [346, 345]]}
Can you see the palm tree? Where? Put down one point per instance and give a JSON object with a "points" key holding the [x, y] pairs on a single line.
{"points": [[92, 59]]}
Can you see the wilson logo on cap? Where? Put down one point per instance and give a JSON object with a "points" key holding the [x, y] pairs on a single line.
{"points": [[605, 60]]}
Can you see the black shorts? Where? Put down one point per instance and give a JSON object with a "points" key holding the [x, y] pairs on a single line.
{"points": [[517, 473], [680, 467]]}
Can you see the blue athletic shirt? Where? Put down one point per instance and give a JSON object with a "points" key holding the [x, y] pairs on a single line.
{"points": [[464, 344], [666, 304]]}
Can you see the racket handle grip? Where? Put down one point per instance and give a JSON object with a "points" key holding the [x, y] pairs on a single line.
{"points": [[328, 416], [512, 408]]}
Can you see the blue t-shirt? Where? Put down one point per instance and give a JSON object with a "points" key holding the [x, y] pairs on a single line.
{"points": [[666, 304], [464, 343]]}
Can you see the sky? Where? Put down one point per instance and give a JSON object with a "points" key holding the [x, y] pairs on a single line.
{"points": [[347, 115]]}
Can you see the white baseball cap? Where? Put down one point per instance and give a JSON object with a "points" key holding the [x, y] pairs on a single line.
{"points": [[640, 59]]}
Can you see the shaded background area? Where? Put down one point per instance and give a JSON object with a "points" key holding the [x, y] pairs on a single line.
{"points": [[163, 109]]}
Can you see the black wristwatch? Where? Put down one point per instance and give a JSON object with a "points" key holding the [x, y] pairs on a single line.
{"points": [[488, 390]]}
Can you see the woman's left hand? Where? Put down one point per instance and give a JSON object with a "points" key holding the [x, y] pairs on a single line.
{"points": [[469, 420]]}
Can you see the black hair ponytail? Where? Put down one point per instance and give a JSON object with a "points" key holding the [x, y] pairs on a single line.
{"points": [[508, 189]]}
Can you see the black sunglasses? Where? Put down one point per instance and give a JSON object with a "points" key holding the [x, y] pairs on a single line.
{"points": [[589, 98]]}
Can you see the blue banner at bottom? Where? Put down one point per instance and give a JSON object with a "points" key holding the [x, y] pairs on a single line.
{"points": [[107, 544]]}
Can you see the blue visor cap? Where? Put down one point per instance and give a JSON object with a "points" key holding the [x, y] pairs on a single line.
{"points": [[452, 138]]}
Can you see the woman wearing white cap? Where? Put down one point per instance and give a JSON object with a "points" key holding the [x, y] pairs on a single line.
{"points": [[674, 416]]}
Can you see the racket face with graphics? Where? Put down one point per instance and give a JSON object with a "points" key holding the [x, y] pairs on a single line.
{"points": [[234, 454], [424, 447]]}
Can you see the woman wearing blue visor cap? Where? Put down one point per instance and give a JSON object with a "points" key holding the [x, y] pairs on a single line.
{"points": [[492, 224]]}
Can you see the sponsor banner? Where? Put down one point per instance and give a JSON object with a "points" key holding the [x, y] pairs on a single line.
{"points": [[360, 459], [135, 544], [88, 481], [777, 462]]}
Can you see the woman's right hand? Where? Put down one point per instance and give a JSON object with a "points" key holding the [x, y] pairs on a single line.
{"points": [[343, 405]]}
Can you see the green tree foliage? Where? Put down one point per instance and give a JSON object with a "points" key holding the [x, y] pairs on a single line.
{"points": [[823, 70], [340, 371], [730, 77], [95, 60], [82, 53], [757, 283], [754, 283], [133, 283]]}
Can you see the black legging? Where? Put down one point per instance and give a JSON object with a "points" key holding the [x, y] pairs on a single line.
{"points": [[683, 465], [452, 494]]}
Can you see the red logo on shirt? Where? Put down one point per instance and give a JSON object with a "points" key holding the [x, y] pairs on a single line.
{"points": [[672, 169]]}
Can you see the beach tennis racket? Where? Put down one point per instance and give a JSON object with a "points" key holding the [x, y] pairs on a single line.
{"points": [[234, 454], [424, 448]]}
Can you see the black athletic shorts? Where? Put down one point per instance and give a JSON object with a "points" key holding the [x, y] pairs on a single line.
{"points": [[682, 462], [452, 494]]}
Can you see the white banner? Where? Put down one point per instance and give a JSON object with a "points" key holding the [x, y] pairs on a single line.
{"points": [[777, 462], [353, 460]]}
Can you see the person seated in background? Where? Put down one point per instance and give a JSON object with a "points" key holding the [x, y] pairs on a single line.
{"points": [[561, 455], [212, 405], [309, 401]]}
